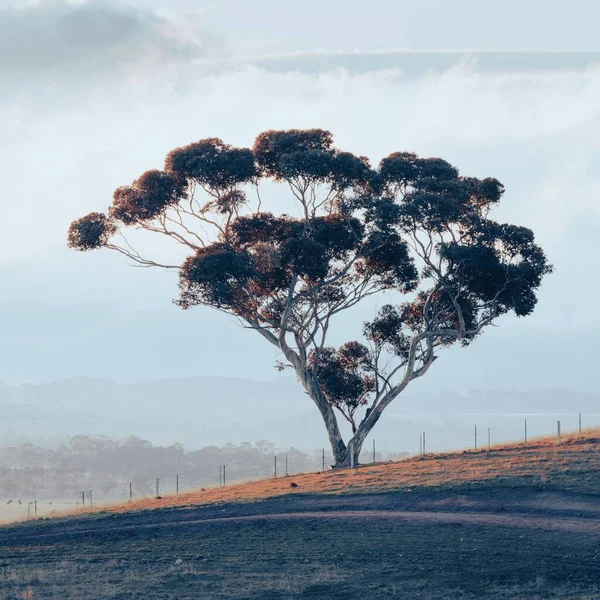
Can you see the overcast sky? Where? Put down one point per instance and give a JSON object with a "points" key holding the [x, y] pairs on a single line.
{"points": [[275, 25], [94, 93]]}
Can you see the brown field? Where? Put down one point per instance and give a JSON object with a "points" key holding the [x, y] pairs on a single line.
{"points": [[514, 523]]}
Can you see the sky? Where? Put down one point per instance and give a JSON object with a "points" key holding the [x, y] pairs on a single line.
{"points": [[94, 93]]}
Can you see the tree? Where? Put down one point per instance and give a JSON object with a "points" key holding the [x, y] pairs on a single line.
{"points": [[411, 226]]}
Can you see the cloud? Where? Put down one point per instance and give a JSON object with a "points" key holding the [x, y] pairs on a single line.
{"points": [[86, 37], [57, 55]]}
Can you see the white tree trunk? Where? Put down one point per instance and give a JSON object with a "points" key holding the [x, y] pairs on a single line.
{"points": [[338, 447]]}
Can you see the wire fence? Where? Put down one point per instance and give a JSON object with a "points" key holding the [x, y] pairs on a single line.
{"points": [[479, 435], [483, 431], [210, 477]]}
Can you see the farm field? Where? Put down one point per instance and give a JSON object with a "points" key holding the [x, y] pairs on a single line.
{"points": [[441, 527]]}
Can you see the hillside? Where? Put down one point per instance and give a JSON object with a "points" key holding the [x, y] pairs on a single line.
{"points": [[514, 523], [542, 464]]}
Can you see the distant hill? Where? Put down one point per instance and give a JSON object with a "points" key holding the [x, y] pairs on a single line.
{"points": [[196, 411], [200, 411]]}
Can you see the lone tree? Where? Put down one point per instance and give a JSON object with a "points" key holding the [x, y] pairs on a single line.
{"points": [[411, 226]]}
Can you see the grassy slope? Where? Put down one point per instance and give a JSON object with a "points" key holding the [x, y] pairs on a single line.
{"points": [[573, 466], [153, 555]]}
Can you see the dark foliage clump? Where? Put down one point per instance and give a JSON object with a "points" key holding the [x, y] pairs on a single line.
{"points": [[90, 232], [271, 147], [146, 199], [345, 375], [212, 163], [216, 275]]}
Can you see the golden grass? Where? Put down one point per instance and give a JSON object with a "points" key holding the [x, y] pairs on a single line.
{"points": [[572, 466]]}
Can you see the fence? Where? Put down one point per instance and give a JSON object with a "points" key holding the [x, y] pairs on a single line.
{"points": [[482, 431], [215, 475], [481, 436], [487, 444]]}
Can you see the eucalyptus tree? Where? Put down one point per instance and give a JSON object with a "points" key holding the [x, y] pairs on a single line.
{"points": [[411, 228]]}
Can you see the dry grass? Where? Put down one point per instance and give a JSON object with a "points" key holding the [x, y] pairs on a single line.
{"points": [[132, 556], [573, 466]]}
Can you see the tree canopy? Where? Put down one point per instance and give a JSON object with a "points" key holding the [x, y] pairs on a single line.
{"points": [[412, 226]]}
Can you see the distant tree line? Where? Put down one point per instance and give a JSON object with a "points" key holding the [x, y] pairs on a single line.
{"points": [[103, 464]]}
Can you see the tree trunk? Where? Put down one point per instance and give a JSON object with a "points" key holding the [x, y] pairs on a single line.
{"points": [[355, 444], [350, 460], [338, 447], [347, 456]]}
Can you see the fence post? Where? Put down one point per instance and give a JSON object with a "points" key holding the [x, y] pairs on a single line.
{"points": [[83, 498], [579, 423], [130, 492], [35, 507], [91, 501], [526, 432], [224, 480], [323, 461], [157, 487], [475, 437], [423, 443], [558, 432], [275, 457], [220, 475], [177, 483], [489, 440]]}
